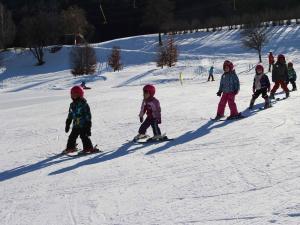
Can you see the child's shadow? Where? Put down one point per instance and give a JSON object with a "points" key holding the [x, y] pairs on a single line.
{"points": [[202, 131], [125, 149], [19, 171]]}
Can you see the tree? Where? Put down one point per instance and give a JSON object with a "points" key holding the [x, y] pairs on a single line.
{"points": [[74, 21], [172, 52], [115, 58], [167, 54], [83, 60], [7, 28], [255, 38], [40, 31], [158, 14], [161, 56]]}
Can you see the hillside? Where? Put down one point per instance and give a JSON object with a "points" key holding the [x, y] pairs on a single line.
{"points": [[228, 172]]}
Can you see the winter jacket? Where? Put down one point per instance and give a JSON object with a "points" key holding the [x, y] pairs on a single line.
{"points": [[151, 107], [271, 59], [211, 71], [261, 81], [229, 82], [80, 114], [292, 74], [280, 72]]}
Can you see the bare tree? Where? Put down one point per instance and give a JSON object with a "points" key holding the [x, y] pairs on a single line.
{"points": [[172, 52], [40, 31], [161, 56], [114, 60], [255, 38], [167, 53], [7, 28], [83, 60]]}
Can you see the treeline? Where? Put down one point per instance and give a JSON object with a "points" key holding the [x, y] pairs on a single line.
{"points": [[109, 19]]}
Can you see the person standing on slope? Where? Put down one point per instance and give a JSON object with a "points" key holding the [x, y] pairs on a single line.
{"points": [[80, 114], [271, 61], [292, 76], [150, 107], [211, 74], [280, 76], [261, 86], [229, 88]]}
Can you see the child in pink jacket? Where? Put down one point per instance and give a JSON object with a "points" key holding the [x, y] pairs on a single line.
{"points": [[150, 107]]}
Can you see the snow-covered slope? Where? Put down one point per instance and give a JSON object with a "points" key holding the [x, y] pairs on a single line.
{"points": [[236, 172]]}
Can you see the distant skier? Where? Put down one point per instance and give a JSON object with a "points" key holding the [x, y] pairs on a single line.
{"points": [[261, 86], [292, 76], [151, 107], [211, 74], [271, 61], [280, 76], [80, 114], [229, 88], [84, 86]]}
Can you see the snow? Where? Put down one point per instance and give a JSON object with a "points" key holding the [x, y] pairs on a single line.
{"points": [[229, 172]]}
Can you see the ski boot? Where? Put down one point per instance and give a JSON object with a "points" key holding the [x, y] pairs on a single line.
{"points": [[69, 150], [218, 117], [287, 94], [158, 137], [267, 103], [272, 96], [233, 117], [140, 136]]}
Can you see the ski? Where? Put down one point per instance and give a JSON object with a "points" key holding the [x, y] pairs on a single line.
{"points": [[228, 119], [82, 153], [153, 140], [263, 108], [79, 152]]}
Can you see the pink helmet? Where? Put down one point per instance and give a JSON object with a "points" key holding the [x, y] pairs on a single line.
{"points": [[150, 89], [229, 64], [259, 67], [78, 90]]}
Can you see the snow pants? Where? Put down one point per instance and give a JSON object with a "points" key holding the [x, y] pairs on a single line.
{"points": [[147, 123], [230, 98], [271, 66], [263, 92], [278, 83], [86, 141], [293, 82], [210, 76]]}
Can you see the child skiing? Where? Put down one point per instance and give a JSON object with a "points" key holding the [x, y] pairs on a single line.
{"points": [[280, 76], [79, 113], [229, 88], [211, 74], [292, 76], [84, 86], [271, 61], [261, 86], [151, 107]]}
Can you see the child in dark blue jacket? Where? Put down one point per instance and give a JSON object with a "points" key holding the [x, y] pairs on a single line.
{"points": [[80, 115], [261, 86]]}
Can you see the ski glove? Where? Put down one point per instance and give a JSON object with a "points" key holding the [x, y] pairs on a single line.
{"points": [[141, 119], [68, 123], [219, 93], [236, 92]]}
